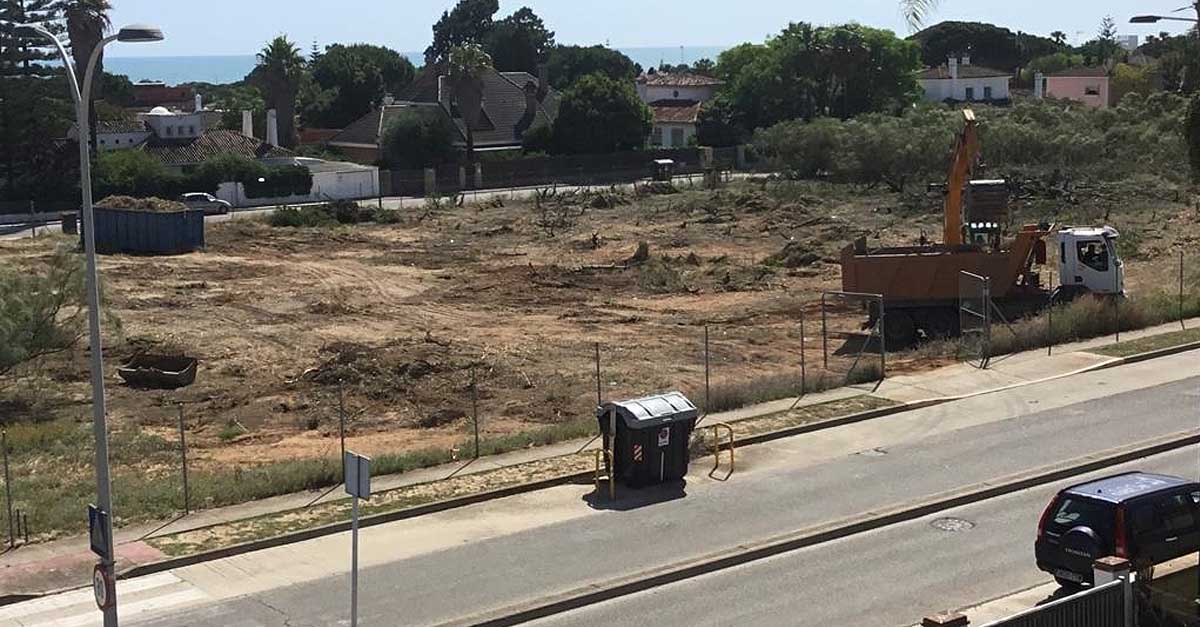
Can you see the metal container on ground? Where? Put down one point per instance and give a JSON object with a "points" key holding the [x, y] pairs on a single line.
{"points": [[148, 233], [70, 222], [649, 437]]}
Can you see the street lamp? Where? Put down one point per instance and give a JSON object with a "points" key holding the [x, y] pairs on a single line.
{"points": [[136, 33], [1154, 19]]}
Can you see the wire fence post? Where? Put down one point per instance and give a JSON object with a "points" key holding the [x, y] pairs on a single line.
{"points": [[12, 536], [342, 417], [824, 333], [187, 495], [1050, 326], [707, 371], [1182, 324], [882, 340], [475, 408], [803, 362], [599, 393]]}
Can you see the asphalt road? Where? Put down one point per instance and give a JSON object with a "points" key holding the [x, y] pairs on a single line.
{"points": [[887, 577], [894, 576]]}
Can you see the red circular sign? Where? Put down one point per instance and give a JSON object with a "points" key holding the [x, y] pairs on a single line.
{"points": [[102, 586]]}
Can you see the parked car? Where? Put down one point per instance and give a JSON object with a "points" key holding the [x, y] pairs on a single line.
{"points": [[209, 203], [1145, 518]]}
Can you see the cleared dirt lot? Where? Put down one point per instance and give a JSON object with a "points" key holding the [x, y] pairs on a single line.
{"points": [[517, 291]]}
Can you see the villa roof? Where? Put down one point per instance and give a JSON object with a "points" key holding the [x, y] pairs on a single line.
{"points": [[675, 111], [942, 72], [679, 79], [193, 150]]}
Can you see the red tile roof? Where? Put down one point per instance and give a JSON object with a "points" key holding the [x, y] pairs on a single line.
{"points": [[678, 79], [191, 151], [675, 111]]}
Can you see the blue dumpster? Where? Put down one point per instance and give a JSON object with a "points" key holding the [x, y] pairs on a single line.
{"points": [[148, 233]]}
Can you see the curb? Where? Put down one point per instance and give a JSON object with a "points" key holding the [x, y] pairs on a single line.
{"points": [[820, 534], [1147, 356]]}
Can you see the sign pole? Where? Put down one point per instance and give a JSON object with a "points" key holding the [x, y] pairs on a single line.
{"points": [[187, 495], [12, 536], [354, 567]]}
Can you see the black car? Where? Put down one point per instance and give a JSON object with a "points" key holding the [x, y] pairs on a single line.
{"points": [[1145, 518]]}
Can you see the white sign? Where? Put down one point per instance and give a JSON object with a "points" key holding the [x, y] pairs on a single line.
{"points": [[357, 470], [664, 436], [102, 588]]}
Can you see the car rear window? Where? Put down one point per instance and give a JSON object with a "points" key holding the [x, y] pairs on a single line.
{"points": [[1074, 511]]}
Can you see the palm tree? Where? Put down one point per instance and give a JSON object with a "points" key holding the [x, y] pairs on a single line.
{"points": [[916, 11], [87, 21], [467, 66], [1059, 37], [279, 72]]}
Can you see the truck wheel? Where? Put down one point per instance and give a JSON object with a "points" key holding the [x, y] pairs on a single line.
{"points": [[941, 323], [899, 329]]}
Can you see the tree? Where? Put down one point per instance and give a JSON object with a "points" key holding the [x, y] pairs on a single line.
{"points": [[43, 312], [1107, 47], [600, 114], [568, 64], [1129, 79], [1059, 37], [87, 21], [25, 53], [917, 11], [808, 72], [348, 85], [279, 73], [989, 45], [1193, 136], [519, 42], [227, 168], [717, 125], [135, 173], [704, 67], [468, 22], [419, 139], [467, 66]]}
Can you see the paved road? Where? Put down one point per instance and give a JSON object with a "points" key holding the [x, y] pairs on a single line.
{"points": [[455, 564], [893, 576]]}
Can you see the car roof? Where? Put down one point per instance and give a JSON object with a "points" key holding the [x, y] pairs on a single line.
{"points": [[1123, 487]]}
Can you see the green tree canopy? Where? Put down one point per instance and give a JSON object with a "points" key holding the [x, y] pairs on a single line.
{"points": [[807, 72], [988, 45], [519, 42], [469, 22], [601, 114], [419, 139], [352, 80], [280, 73], [568, 64], [42, 312]]}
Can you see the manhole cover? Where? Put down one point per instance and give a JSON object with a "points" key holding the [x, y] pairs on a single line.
{"points": [[952, 525]]}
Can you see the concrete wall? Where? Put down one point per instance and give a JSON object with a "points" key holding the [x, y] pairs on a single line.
{"points": [[940, 90], [351, 185], [1077, 87], [689, 131]]}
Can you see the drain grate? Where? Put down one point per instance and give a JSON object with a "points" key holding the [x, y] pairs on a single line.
{"points": [[952, 525]]}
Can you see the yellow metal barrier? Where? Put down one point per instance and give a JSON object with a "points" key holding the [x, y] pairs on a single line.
{"points": [[716, 429], [602, 454]]}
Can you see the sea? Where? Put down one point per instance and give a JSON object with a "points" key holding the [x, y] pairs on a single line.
{"points": [[220, 69]]}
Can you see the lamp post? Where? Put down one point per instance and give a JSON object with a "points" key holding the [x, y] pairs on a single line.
{"points": [[81, 94], [1154, 19]]}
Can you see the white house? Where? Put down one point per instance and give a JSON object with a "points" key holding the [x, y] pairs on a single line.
{"points": [[962, 82], [675, 99]]}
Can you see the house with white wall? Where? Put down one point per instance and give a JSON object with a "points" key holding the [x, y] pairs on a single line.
{"points": [[675, 99], [960, 81]]}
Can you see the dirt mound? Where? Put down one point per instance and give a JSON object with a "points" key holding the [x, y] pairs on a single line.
{"points": [[147, 205]]}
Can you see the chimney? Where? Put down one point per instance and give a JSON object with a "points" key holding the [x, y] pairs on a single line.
{"points": [[444, 91], [248, 123], [1039, 85], [273, 127], [953, 64], [966, 60], [531, 106], [199, 103], [543, 81]]}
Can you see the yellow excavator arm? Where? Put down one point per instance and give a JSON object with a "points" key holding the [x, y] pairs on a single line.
{"points": [[962, 162]]}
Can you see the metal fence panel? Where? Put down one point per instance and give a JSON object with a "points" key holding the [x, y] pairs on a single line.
{"points": [[1100, 607], [853, 352], [975, 317]]}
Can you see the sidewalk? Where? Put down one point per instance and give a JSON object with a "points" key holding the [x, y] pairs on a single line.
{"points": [[67, 562]]}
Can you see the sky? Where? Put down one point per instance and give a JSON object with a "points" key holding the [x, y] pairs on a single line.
{"points": [[228, 27]]}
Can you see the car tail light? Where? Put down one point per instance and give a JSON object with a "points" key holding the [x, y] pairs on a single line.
{"points": [[1046, 516], [1120, 544]]}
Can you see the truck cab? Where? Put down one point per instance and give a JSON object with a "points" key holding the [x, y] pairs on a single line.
{"points": [[1088, 261]]}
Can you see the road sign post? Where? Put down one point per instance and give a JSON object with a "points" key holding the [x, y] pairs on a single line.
{"points": [[357, 471]]}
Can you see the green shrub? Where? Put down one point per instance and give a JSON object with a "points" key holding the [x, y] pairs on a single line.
{"points": [[296, 217]]}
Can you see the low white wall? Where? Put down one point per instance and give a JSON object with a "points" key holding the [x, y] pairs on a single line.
{"points": [[350, 185]]}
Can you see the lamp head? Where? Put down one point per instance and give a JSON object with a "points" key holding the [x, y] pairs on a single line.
{"points": [[1144, 19], [139, 33]]}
